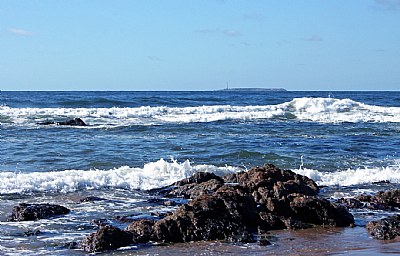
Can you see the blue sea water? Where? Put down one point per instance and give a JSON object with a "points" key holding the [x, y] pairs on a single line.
{"points": [[346, 141]]}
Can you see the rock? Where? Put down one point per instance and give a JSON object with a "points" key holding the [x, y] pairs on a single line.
{"points": [[32, 232], [99, 222], [391, 198], [285, 181], [383, 200], [25, 212], [351, 203], [193, 190], [106, 238], [315, 210], [197, 178], [141, 230], [91, 199], [222, 216], [271, 221], [385, 229], [72, 122], [293, 224]]}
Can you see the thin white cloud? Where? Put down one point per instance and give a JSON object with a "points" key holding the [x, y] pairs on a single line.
{"points": [[313, 38], [21, 32], [389, 5]]}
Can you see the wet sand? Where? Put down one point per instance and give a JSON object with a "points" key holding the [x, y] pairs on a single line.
{"points": [[315, 241]]}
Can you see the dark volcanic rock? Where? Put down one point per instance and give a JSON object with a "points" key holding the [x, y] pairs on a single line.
{"points": [[25, 212], [320, 211], [350, 203], [193, 190], [391, 198], [141, 230], [106, 238], [91, 199], [198, 178], [209, 217], [285, 181], [72, 122], [385, 229], [383, 200]]}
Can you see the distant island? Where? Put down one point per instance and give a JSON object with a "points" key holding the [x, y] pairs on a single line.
{"points": [[254, 89]]}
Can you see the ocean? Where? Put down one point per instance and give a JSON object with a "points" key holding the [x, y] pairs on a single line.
{"points": [[348, 142]]}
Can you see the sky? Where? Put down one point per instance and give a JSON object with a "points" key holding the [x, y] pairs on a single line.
{"points": [[199, 45]]}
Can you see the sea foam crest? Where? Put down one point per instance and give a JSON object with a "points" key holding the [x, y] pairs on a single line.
{"points": [[325, 110], [353, 177], [331, 110], [152, 175]]}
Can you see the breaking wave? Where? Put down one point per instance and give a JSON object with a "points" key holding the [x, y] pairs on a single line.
{"points": [[162, 173], [322, 110], [353, 177], [152, 175]]}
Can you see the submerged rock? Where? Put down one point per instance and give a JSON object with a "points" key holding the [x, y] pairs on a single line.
{"points": [[235, 208], [25, 212], [385, 229]]}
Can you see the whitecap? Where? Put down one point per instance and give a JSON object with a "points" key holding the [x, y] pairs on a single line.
{"points": [[151, 175]]}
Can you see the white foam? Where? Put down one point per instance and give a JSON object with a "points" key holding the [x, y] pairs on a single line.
{"points": [[152, 175], [325, 110], [330, 110], [352, 177]]}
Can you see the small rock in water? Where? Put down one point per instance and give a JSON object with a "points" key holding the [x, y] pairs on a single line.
{"points": [[385, 229], [72, 122], [25, 212], [91, 199], [106, 238], [32, 232], [383, 200]]}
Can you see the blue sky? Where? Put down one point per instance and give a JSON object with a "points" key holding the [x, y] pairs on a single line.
{"points": [[199, 45]]}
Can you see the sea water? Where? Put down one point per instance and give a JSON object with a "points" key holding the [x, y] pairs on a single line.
{"points": [[348, 142]]}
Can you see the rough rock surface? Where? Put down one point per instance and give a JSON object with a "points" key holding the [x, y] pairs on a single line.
{"points": [[141, 230], [106, 238], [383, 200], [235, 207], [385, 229], [25, 212]]}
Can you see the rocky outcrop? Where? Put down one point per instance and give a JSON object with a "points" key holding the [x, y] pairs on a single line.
{"points": [[235, 207], [25, 212], [72, 122], [385, 229]]}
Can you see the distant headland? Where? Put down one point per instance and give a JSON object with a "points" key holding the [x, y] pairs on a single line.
{"points": [[254, 89]]}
